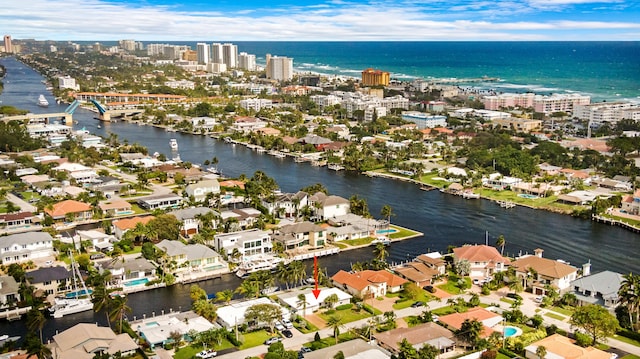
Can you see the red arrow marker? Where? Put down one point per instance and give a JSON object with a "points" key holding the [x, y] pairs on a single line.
{"points": [[316, 292]]}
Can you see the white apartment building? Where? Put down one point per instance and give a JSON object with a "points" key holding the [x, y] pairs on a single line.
{"points": [[484, 114], [424, 120], [181, 84], [506, 100], [216, 53], [216, 67], [67, 82], [203, 52], [325, 100], [279, 68], [247, 61], [256, 104], [559, 102], [252, 242], [607, 111], [230, 55]]}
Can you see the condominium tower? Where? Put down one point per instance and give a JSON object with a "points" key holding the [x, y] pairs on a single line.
{"points": [[8, 47], [203, 53], [279, 68], [247, 61], [371, 77]]}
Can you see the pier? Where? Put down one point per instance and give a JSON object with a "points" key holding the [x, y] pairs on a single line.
{"points": [[14, 314], [615, 222]]}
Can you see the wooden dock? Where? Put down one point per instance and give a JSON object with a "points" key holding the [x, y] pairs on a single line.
{"points": [[615, 222], [14, 314]]}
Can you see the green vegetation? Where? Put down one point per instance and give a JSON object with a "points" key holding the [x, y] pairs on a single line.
{"points": [[555, 316], [452, 287], [255, 338], [402, 232], [346, 315], [358, 241], [563, 311]]}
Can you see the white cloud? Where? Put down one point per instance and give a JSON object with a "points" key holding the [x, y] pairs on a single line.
{"points": [[336, 20]]}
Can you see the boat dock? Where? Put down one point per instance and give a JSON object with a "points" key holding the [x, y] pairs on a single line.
{"points": [[14, 314]]}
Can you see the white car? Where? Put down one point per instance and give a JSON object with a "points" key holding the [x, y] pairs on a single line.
{"points": [[207, 354], [48, 263], [287, 323], [279, 326]]}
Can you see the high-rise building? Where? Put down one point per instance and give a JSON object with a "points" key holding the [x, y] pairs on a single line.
{"points": [[216, 53], [128, 45], [203, 53], [279, 68], [230, 55], [8, 47], [247, 61], [371, 77]]}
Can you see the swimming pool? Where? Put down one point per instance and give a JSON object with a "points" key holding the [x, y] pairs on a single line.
{"points": [[527, 196], [78, 293], [386, 231], [140, 281], [510, 331]]}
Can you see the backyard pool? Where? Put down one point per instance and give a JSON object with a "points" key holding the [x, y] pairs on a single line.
{"points": [[78, 293], [511, 331], [140, 281], [527, 196], [386, 231]]}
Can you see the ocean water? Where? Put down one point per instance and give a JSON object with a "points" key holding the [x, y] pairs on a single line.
{"points": [[605, 70]]}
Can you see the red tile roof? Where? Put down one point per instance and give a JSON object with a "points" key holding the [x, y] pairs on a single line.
{"points": [[69, 206]]}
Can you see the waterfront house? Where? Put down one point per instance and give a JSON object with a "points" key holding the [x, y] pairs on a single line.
{"points": [[129, 272], [368, 283], [190, 219], [560, 347], [121, 226], [318, 142], [191, 258], [301, 234], [115, 208], [352, 349], [433, 260], [203, 123], [25, 247], [286, 205], [537, 272], [80, 173], [157, 330], [487, 318], [353, 226], [232, 315], [100, 241], [9, 294], [312, 303], [499, 182], [599, 288], [86, 340], [201, 189], [50, 280], [418, 336], [484, 260], [74, 211], [163, 201], [247, 124], [631, 203], [21, 220], [329, 206], [249, 243]]}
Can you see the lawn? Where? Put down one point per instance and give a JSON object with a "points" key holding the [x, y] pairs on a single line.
{"points": [[190, 351], [563, 311], [340, 245], [451, 287], [309, 328], [329, 341], [347, 315], [402, 303], [254, 339], [402, 232], [358, 241], [630, 356], [630, 221], [443, 311], [626, 340], [554, 316]]}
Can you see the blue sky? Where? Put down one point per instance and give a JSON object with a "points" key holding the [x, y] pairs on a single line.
{"points": [[317, 20]]}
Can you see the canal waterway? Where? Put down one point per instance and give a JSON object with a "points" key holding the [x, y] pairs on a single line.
{"points": [[444, 219]]}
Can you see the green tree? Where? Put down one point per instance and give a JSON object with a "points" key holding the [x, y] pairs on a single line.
{"points": [[406, 350], [387, 212], [331, 300], [302, 301], [380, 252], [629, 294], [335, 323], [263, 314], [541, 351], [224, 296], [595, 320], [119, 310], [36, 321], [469, 331], [500, 242]]}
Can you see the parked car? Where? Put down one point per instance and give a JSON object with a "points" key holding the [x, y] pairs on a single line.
{"points": [[287, 323], [272, 340], [514, 296], [539, 299], [206, 354], [429, 288], [279, 327], [417, 304], [476, 281], [287, 333]]}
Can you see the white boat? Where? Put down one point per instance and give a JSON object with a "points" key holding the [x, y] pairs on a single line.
{"points": [[42, 101], [384, 240], [256, 265], [66, 306], [173, 143]]}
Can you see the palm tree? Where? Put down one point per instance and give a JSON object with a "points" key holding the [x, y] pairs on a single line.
{"points": [[249, 289], [387, 212], [39, 350], [302, 301], [119, 310], [36, 320], [284, 273], [629, 294], [335, 322], [500, 242], [541, 351], [102, 300], [380, 251], [298, 271], [224, 296]]}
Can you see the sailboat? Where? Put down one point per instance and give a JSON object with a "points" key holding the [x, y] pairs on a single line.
{"points": [[75, 304]]}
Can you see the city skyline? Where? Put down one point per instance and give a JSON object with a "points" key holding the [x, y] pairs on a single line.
{"points": [[316, 20]]}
